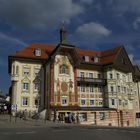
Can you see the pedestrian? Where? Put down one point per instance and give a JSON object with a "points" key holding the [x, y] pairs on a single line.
{"points": [[59, 117], [77, 117], [20, 115]]}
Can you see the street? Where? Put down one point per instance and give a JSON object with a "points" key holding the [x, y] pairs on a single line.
{"points": [[69, 133], [37, 130]]}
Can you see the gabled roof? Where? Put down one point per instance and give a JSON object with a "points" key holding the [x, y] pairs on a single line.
{"points": [[106, 57]]}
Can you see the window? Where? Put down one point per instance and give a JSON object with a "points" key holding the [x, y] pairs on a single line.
{"points": [[26, 71], [91, 87], [13, 69], [101, 115], [138, 115], [119, 88], [99, 75], [91, 102], [36, 72], [112, 89], [95, 88], [83, 102], [17, 70], [24, 101], [25, 86], [37, 52], [120, 102], [110, 76], [36, 102], [64, 101], [82, 88], [126, 102], [36, 86], [90, 75], [100, 95], [113, 101], [100, 103], [125, 89], [99, 89], [82, 74], [86, 58], [124, 78], [95, 59], [118, 76], [63, 69]]}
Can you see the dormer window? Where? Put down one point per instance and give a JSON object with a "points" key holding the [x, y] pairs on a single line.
{"points": [[86, 58], [37, 52], [96, 59]]}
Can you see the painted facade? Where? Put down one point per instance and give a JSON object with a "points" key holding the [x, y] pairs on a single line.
{"points": [[98, 88]]}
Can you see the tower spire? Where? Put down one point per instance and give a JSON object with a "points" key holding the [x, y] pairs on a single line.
{"points": [[63, 34]]}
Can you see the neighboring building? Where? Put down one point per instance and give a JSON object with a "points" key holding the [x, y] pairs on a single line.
{"points": [[100, 87], [4, 103]]}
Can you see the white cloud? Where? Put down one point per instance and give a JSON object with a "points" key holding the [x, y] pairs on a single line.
{"points": [[5, 39], [92, 31], [136, 23], [39, 13], [131, 57], [133, 60]]}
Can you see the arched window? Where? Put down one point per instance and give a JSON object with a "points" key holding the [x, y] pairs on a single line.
{"points": [[63, 69]]}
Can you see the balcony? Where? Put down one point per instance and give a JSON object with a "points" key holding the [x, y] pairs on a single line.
{"points": [[100, 81]]}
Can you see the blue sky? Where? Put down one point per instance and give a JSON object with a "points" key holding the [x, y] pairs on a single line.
{"points": [[90, 24]]}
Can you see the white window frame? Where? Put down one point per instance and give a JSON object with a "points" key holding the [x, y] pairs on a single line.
{"points": [[37, 52], [82, 102], [91, 88], [26, 71], [36, 72], [64, 100], [82, 74], [91, 75], [25, 101], [111, 88], [92, 103], [25, 86], [113, 102], [36, 86], [82, 88], [86, 58], [64, 69]]}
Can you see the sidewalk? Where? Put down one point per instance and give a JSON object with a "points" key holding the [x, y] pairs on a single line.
{"points": [[7, 122]]}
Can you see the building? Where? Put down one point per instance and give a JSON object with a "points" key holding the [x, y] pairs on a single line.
{"points": [[100, 87]]}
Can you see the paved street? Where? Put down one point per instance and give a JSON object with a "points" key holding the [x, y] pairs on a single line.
{"points": [[51, 131]]}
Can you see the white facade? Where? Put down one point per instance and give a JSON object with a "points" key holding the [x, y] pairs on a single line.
{"points": [[27, 85]]}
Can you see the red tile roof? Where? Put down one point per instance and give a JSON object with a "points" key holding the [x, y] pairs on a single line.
{"points": [[105, 56], [28, 52]]}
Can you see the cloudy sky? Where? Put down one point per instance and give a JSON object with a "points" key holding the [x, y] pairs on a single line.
{"points": [[90, 24]]}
